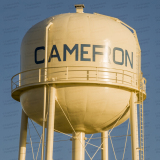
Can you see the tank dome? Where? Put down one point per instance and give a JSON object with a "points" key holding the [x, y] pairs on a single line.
{"points": [[90, 59]]}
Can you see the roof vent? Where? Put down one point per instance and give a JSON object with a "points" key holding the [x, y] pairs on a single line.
{"points": [[79, 8]]}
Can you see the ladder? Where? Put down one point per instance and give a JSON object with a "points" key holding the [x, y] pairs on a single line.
{"points": [[141, 122]]}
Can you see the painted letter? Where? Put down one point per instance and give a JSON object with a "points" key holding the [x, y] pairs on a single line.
{"points": [[114, 57], [130, 60], [84, 52], [66, 48], [94, 50], [35, 55], [54, 48]]}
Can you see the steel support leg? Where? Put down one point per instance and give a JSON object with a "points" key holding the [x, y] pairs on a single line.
{"points": [[23, 136], [44, 116], [78, 145], [104, 141], [50, 125], [133, 124]]}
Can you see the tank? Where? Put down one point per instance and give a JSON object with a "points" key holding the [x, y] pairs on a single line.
{"points": [[92, 60]]}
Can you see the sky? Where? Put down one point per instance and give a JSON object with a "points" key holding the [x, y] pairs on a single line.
{"points": [[17, 16]]}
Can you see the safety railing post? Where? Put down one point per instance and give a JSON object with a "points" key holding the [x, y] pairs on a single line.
{"points": [[116, 77], [133, 80], [87, 74], [122, 76], [19, 79], [97, 73], [39, 74], [67, 73]]}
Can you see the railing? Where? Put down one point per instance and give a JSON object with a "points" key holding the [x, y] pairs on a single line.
{"points": [[143, 84], [76, 74]]}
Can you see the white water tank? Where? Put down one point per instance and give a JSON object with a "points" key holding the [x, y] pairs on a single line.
{"points": [[93, 62]]}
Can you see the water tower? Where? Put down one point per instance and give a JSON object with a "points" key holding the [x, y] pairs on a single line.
{"points": [[80, 74]]}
